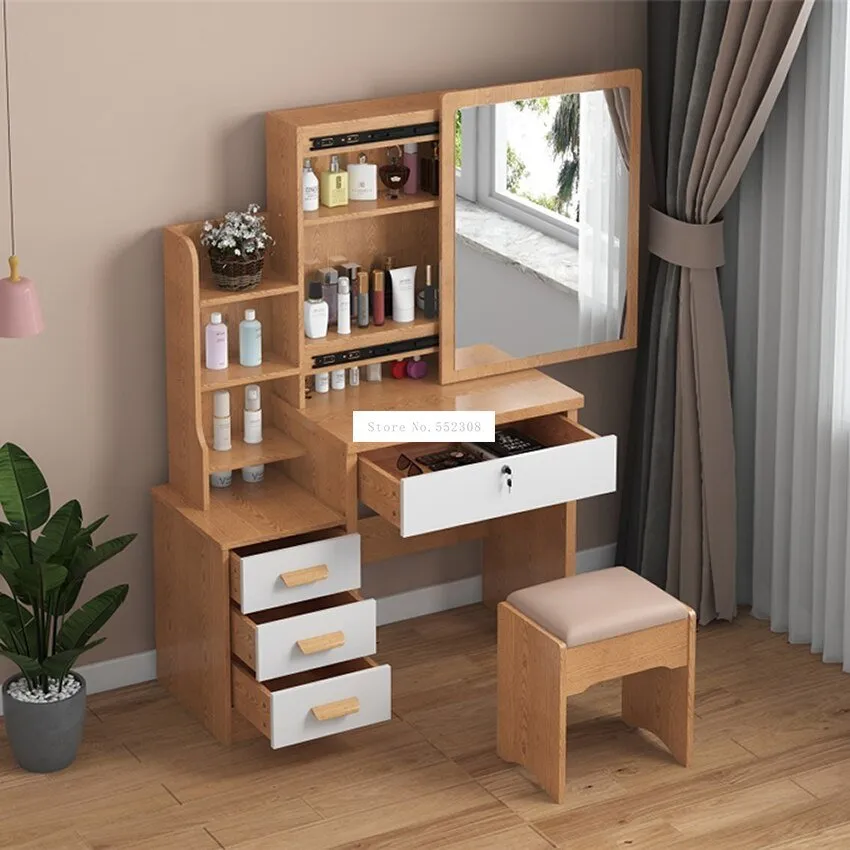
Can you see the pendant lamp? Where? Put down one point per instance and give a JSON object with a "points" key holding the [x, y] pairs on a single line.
{"points": [[20, 311]]}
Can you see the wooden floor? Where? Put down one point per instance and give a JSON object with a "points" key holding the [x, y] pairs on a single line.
{"points": [[772, 765]]}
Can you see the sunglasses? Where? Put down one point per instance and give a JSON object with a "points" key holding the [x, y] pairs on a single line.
{"points": [[404, 462]]}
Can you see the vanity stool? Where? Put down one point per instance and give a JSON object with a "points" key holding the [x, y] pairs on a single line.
{"points": [[558, 638]]}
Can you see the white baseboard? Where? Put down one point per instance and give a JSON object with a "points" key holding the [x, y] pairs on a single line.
{"points": [[133, 669]]}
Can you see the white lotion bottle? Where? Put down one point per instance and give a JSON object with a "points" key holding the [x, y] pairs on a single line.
{"points": [[343, 307], [309, 188], [316, 312], [221, 421], [322, 382], [250, 340], [252, 425], [215, 339], [338, 379]]}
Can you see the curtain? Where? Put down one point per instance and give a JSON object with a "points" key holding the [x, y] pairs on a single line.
{"points": [[619, 108], [715, 71], [603, 205], [787, 296]]}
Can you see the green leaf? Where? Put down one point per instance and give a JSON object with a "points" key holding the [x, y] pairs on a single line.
{"points": [[60, 663], [14, 559], [24, 496], [9, 611], [89, 530], [57, 536], [88, 559], [90, 618], [67, 597], [30, 667], [39, 580]]}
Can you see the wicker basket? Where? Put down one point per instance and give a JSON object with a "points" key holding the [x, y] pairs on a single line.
{"points": [[236, 274]]}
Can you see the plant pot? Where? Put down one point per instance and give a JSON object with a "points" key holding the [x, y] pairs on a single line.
{"points": [[45, 737], [236, 273]]}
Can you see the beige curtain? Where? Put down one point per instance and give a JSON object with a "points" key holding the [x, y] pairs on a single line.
{"points": [[620, 110], [729, 64]]}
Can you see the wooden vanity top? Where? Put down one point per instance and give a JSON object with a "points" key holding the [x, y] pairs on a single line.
{"points": [[521, 395]]}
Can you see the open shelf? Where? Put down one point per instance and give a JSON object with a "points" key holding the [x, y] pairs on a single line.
{"points": [[268, 287], [369, 209], [373, 335], [369, 146], [275, 446], [273, 366]]}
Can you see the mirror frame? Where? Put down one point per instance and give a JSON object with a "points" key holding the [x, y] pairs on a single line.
{"points": [[452, 101]]}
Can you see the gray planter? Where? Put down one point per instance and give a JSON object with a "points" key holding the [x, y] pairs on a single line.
{"points": [[45, 737]]}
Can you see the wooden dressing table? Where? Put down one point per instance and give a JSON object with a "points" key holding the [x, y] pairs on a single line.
{"points": [[258, 615]]}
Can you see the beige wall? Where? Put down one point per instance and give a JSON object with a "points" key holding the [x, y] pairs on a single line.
{"points": [[128, 116]]}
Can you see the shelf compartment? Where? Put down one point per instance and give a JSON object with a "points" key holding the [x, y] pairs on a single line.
{"points": [[373, 335], [273, 366], [369, 209], [269, 287], [275, 446], [369, 146]]}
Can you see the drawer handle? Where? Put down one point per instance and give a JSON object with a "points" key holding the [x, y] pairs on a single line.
{"points": [[321, 643], [333, 710], [295, 578]]}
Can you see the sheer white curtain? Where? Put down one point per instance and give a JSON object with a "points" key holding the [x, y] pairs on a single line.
{"points": [[603, 201], [787, 300]]}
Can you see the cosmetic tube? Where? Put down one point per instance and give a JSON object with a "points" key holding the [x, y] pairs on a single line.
{"points": [[363, 300], [404, 293], [378, 302]]}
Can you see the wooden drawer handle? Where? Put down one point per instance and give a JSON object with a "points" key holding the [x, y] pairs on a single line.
{"points": [[322, 643], [295, 578], [333, 710]]}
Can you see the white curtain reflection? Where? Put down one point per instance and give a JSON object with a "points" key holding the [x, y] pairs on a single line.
{"points": [[603, 222]]}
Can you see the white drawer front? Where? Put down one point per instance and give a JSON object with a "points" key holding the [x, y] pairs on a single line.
{"points": [[271, 579], [478, 492], [293, 719], [277, 643]]}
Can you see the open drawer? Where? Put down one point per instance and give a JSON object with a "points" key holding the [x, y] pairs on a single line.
{"points": [[315, 704], [575, 464], [301, 637]]}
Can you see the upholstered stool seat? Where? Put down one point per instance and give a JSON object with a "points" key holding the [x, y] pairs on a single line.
{"points": [[558, 638]]}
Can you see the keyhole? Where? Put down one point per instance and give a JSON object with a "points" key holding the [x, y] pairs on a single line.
{"points": [[506, 470]]}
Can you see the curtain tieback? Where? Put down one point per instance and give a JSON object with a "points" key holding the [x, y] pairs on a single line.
{"points": [[692, 246]]}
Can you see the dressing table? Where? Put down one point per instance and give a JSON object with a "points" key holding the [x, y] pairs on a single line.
{"points": [[258, 615]]}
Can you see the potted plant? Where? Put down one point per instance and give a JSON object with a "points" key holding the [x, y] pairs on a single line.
{"points": [[237, 248], [45, 703]]}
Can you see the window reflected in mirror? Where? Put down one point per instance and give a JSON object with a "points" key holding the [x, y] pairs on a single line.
{"points": [[541, 225]]}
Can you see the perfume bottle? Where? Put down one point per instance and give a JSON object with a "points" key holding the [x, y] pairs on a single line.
{"points": [[333, 186], [395, 174], [363, 180]]}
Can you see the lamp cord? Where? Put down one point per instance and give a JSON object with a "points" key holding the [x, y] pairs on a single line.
{"points": [[8, 127]]}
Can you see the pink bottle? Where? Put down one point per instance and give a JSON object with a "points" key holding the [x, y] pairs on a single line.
{"points": [[411, 160], [417, 368]]}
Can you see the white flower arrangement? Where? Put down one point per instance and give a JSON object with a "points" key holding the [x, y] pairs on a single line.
{"points": [[240, 234]]}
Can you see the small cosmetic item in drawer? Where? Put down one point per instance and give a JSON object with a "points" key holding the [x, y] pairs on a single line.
{"points": [[317, 703], [508, 442], [299, 637]]}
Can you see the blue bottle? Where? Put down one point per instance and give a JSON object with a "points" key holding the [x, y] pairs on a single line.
{"points": [[250, 340]]}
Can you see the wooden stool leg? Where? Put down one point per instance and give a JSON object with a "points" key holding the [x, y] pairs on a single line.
{"points": [[532, 704], [661, 700]]}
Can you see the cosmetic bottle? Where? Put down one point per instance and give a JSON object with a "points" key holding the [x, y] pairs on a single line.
{"points": [[378, 300], [333, 186], [252, 423], [417, 367], [330, 279], [315, 312], [374, 372], [354, 376], [221, 421], [429, 170], [338, 379], [216, 343], [394, 174], [254, 474], [411, 160], [363, 180], [363, 300], [399, 369], [404, 293], [388, 288], [343, 314], [309, 188], [351, 271], [429, 296], [221, 479], [250, 340], [321, 382]]}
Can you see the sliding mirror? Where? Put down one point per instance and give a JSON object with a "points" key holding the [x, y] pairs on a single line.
{"points": [[540, 223]]}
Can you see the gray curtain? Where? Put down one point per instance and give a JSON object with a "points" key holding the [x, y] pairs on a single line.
{"points": [[619, 107], [715, 71]]}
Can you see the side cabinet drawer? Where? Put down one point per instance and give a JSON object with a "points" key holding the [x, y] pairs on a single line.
{"points": [[316, 704], [575, 464], [314, 634], [282, 576]]}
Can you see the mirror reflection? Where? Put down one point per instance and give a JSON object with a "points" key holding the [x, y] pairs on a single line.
{"points": [[541, 224]]}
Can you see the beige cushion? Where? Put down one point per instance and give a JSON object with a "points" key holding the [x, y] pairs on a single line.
{"points": [[598, 605]]}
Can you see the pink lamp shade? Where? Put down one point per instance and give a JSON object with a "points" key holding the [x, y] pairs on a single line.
{"points": [[20, 311]]}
